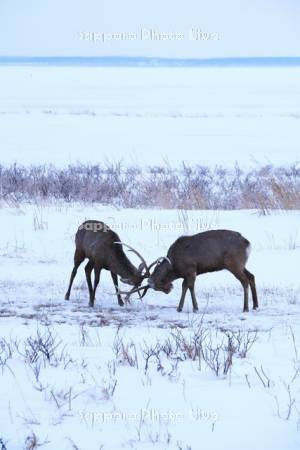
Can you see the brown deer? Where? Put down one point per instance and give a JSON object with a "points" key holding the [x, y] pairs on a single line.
{"points": [[209, 251], [102, 247]]}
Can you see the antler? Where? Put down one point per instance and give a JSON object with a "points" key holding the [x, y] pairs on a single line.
{"points": [[159, 260], [138, 254], [146, 275], [140, 288], [132, 291]]}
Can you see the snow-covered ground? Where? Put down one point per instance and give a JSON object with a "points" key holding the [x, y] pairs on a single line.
{"points": [[145, 376], [148, 115], [132, 377]]}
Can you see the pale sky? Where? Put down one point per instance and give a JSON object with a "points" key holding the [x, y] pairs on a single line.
{"points": [[244, 27]]}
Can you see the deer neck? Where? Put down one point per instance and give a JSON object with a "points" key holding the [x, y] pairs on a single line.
{"points": [[124, 268]]}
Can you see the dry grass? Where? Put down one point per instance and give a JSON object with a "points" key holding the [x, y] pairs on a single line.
{"points": [[196, 187]]}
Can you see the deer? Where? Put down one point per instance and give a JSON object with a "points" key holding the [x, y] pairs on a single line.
{"points": [[209, 251], [103, 248]]}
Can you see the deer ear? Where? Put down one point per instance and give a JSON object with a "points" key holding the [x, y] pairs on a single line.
{"points": [[141, 267]]}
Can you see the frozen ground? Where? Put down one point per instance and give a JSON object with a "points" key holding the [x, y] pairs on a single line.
{"points": [[205, 115], [132, 377], [144, 376]]}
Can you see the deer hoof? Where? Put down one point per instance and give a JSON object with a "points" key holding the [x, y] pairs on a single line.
{"points": [[67, 297], [195, 310], [246, 310], [179, 309], [91, 304], [121, 303]]}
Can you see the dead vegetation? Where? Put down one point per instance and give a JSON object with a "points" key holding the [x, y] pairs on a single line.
{"points": [[197, 187]]}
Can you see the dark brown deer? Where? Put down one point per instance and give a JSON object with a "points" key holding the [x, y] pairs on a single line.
{"points": [[102, 247], [209, 251]]}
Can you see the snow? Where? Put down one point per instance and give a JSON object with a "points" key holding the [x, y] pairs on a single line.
{"points": [[144, 375], [89, 394], [63, 115]]}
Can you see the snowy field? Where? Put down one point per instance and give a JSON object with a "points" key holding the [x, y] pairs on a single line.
{"points": [[201, 115], [145, 376]]}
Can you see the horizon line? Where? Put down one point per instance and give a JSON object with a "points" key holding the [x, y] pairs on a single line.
{"points": [[117, 60]]}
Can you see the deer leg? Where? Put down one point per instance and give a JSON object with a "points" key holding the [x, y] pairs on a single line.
{"points": [[191, 285], [251, 279], [88, 270], [243, 279], [116, 284], [78, 258], [97, 271], [193, 295], [183, 293]]}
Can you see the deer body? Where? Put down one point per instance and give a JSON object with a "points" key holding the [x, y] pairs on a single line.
{"points": [[205, 252], [99, 244]]}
